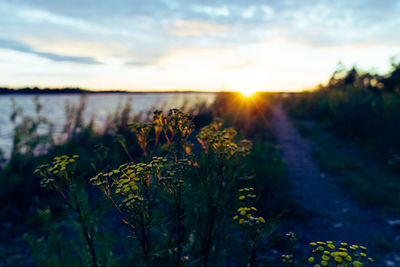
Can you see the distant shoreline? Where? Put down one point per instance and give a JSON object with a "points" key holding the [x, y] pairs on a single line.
{"points": [[51, 91]]}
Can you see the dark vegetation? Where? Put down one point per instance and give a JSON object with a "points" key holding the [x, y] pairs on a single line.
{"points": [[355, 121], [172, 190]]}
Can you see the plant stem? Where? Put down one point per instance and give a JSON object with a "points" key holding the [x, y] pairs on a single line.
{"points": [[179, 226], [88, 239], [252, 262], [127, 152], [207, 246]]}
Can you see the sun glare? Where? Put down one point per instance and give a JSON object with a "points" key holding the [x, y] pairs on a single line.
{"points": [[247, 92]]}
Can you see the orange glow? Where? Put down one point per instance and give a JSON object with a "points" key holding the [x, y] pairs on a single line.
{"points": [[247, 92]]}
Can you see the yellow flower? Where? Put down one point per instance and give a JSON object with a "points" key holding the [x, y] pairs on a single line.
{"points": [[235, 217], [338, 259], [320, 248], [363, 248], [362, 254], [324, 263], [343, 244], [317, 265], [243, 212], [241, 197], [321, 243], [343, 249], [311, 259], [313, 244], [371, 259], [248, 215], [329, 242], [261, 219], [349, 259], [241, 221], [357, 264], [325, 257], [327, 252], [331, 246]]}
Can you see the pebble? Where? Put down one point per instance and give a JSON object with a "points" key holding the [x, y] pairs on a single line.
{"points": [[337, 225], [393, 222], [390, 263]]}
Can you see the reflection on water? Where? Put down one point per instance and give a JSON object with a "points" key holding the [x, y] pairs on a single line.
{"points": [[97, 105]]}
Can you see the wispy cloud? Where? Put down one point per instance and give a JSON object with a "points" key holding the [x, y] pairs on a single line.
{"points": [[137, 63], [24, 48], [126, 37], [185, 28]]}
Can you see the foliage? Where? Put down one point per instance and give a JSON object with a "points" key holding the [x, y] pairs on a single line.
{"points": [[359, 106]]}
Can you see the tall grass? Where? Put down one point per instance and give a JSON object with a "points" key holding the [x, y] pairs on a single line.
{"points": [[358, 106]]}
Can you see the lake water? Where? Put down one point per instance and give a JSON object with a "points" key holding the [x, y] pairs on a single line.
{"points": [[97, 105]]}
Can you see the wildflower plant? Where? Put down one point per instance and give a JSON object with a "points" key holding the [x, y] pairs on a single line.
{"points": [[340, 255], [141, 130], [132, 190], [219, 170], [289, 259], [60, 177], [174, 185], [254, 227], [177, 127], [179, 206]]}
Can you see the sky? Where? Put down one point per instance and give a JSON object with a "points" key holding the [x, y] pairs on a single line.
{"points": [[270, 45]]}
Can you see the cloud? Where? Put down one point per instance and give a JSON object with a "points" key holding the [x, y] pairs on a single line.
{"points": [[136, 63], [134, 36], [185, 28], [24, 48]]}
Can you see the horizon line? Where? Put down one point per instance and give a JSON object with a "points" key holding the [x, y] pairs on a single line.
{"points": [[92, 90]]}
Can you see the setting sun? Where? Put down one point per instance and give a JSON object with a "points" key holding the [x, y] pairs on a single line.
{"points": [[247, 92]]}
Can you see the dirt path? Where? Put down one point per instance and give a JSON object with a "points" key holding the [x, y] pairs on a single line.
{"points": [[337, 216]]}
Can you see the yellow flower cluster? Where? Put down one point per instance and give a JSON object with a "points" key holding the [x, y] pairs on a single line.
{"points": [[221, 142], [130, 180], [174, 176], [60, 163], [246, 215], [287, 258], [141, 130], [324, 254], [58, 168], [177, 123]]}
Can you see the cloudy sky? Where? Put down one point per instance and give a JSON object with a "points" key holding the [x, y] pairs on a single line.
{"points": [[182, 44]]}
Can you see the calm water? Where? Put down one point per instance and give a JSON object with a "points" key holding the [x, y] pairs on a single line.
{"points": [[98, 105]]}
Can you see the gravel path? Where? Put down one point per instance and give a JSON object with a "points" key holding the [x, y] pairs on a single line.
{"points": [[337, 216]]}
